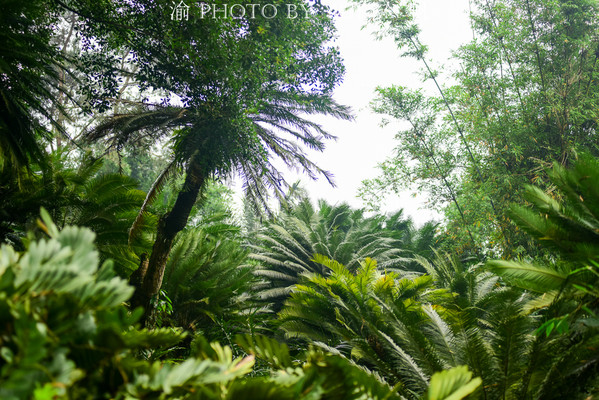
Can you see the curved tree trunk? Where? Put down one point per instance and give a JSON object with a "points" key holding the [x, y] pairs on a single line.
{"points": [[169, 225]]}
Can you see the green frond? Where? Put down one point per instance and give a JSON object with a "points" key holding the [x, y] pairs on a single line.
{"points": [[274, 293], [442, 336], [154, 338], [120, 129], [569, 224], [336, 232], [541, 301], [269, 350], [538, 279], [207, 280], [30, 69], [275, 275]]}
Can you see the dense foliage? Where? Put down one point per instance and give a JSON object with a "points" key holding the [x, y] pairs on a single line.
{"points": [[525, 96], [127, 271]]}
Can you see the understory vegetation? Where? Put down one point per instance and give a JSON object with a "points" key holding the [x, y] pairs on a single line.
{"points": [[128, 271]]}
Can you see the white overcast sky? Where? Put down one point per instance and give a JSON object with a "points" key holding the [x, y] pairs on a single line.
{"points": [[369, 63]]}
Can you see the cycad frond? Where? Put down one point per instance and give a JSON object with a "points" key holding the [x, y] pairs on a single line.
{"points": [[373, 318], [155, 121], [207, 279], [571, 225], [453, 384], [530, 277], [289, 244], [29, 68]]}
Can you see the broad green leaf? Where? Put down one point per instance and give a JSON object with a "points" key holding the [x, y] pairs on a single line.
{"points": [[452, 384]]}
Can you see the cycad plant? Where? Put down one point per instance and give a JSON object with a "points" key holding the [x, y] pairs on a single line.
{"points": [[491, 334], [566, 221], [108, 205], [286, 246], [382, 321], [29, 69], [408, 327], [209, 282], [412, 240], [497, 330], [77, 194], [331, 376], [65, 333]]}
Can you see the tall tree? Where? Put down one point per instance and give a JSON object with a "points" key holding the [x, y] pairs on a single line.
{"points": [[245, 82]]}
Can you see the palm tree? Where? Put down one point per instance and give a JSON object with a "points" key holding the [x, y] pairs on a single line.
{"points": [[224, 142]]}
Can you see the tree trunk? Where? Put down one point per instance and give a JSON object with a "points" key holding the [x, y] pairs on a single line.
{"points": [[169, 225], [137, 277]]}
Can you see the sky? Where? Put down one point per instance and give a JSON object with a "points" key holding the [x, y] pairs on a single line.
{"points": [[369, 63]]}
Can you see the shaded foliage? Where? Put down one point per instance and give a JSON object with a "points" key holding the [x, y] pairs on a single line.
{"points": [[106, 203]]}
